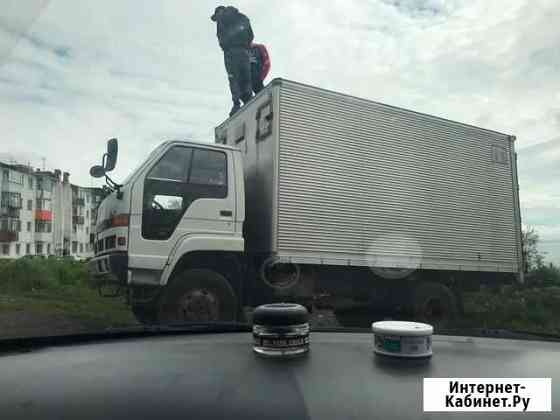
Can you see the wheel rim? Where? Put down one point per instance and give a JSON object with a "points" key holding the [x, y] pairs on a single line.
{"points": [[199, 305]]}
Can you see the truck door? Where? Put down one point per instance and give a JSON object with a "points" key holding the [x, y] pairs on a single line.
{"points": [[186, 191]]}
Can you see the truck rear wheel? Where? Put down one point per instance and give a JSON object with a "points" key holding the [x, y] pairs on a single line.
{"points": [[197, 295], [435, 304]]}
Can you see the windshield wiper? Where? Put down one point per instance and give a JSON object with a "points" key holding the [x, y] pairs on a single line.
{"points": [[25, 344]]}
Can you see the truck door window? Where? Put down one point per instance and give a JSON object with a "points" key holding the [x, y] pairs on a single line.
{"points": [[173, 166], [182, 176], [209, 168]]}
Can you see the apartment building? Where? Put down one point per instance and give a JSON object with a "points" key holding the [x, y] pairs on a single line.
{"points": [[42, 213]]}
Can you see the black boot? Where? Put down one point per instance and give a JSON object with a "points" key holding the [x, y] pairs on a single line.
{"points": [[236, 107], [247, 97]]}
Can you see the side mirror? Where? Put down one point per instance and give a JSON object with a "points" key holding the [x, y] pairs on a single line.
{"points": [[97, 171], [112, 153]]}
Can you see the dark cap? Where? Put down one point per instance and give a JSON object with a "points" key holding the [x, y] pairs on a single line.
{"points": [[218, 9]]}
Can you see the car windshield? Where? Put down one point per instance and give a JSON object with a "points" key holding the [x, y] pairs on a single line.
{"points": [[374, 160]]}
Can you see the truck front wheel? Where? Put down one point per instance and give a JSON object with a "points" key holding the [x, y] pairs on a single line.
{"points": [[197, 295], [145, 314], [435, 304]]}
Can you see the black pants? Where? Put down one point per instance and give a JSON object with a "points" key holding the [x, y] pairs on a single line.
{"points": [[255, 79], [239, 74]]}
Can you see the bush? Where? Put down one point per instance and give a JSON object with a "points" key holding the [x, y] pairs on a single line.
{"points": [[26, 274], [516, 307]]}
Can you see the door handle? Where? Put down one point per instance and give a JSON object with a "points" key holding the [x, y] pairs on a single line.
{"points": [[226, 213]]}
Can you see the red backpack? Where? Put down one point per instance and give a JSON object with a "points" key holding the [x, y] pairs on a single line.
{"points": [[265, 60]]}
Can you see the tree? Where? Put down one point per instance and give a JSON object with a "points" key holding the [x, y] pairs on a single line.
{"points": [[538, 272], [533, 258]]}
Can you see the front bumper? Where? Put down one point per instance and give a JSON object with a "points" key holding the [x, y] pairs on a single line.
{"points": [[113, 266]]}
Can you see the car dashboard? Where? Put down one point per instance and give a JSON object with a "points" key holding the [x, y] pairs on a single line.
{"points": [[211, 376]]}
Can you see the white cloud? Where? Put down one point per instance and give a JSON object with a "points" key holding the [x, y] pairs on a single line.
{"points": [[73, 74]]}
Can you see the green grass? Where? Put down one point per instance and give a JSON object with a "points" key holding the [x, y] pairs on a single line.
{"points": [[58, 287]]}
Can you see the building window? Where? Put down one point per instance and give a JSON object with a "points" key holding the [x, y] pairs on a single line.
{"points": [[74, 228], [43, 227], [74, 247], [48, 249], [5, 249], [13, 176], [27, 249], [87, 214], [81, 248], [87, 231], [30, 182], [43, 204], [87, 198], [29, 204], [38, 248], [18, 249], [44, 184], [29, 226]]}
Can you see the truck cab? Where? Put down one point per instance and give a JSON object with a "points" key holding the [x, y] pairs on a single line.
{"points": [[182, 209]]}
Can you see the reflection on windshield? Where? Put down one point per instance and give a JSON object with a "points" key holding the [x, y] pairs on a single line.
{"points": [[385, 174]]}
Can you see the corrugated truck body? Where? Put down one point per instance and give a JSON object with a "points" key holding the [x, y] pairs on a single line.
{"points": [[334, 179]]}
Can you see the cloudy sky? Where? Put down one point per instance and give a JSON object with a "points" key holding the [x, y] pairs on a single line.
{"points": [[73, 74]]}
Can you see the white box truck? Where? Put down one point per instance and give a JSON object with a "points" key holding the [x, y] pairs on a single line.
{"points": [[309, 192]]}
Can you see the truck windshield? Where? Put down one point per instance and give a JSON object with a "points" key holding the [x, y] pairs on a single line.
{"points": [[369, 160]]}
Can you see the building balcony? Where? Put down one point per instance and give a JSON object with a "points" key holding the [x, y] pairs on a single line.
{"points": [[44, 237], [78, 220], [9, 228], [9, 212], [11, 200], [10, 224], [43, 215], [7, 236]]}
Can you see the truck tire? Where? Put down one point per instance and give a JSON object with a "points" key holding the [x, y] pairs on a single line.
{"points": [[435, 304], [197, 295]]}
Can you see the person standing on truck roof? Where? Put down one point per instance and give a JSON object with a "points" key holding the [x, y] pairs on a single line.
{"points": [[260, 66], [235, 36]]}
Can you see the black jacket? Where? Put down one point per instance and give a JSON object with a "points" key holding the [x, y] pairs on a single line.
{"points": [[234, 29]]}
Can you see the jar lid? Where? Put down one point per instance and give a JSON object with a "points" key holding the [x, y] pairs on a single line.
{"points": [[402, 328]]}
